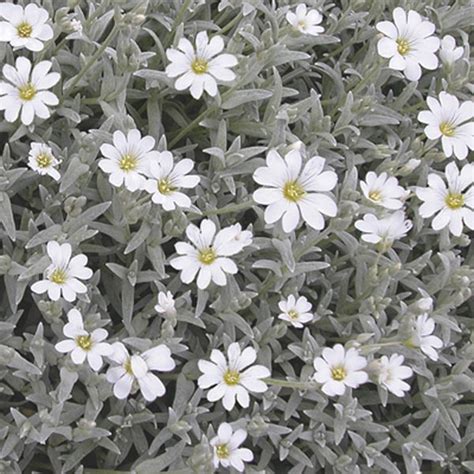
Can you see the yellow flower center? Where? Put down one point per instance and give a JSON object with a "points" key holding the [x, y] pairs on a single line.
{"points": [[59, 276], [293, 314], [84, 342], [375, 195], [27, 92], [403, 46], [446, 129], [128, 366], [43, 160], [454, 200], [302, 24], [338, 373], [207, 256], [293, 191], [24, 30], [199, 66], [222, 451], [165, 187], [128, 163], [231, 377]]}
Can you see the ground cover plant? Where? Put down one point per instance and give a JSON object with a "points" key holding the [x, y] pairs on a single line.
{"points": [[236, 236]]}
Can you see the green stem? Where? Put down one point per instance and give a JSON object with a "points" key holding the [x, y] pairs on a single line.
{"points": [[93, 58], [288, 383], [187, 129], [178, 19]]}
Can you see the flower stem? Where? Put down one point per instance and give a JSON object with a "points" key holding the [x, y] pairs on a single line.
{"points": [[288, 383], [187, 129]]}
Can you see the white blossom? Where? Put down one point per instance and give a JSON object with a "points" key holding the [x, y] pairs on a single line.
{"points": [[232, 377], [305, 21], [291, 193], [422, 337], [390, 373], [166, 303], [383, 190], [385, 230], [199, 68], [295, 311], [408, 43], [41, 160], [448, 52], [26, 90]]}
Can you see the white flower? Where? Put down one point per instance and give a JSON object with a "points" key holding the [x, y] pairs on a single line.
{"points": [[166, 179], [84, 345], [422, 337], [25, 27], [209, 254], [64, 273], [199, 67], [166, 303], [296, 311], [229, 378], [384, 230], [128, 160], [76, 25], [292, 192], [138, 368], [449, 53], [305, 21], [450, 121], [226, 448], [41, 160], [408, 43], [453, 204], [390, 373], [337, 369], [425, 304], [27, 92], [383, 190]]}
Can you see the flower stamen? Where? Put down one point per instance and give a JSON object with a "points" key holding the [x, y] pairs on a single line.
{"points": [[338, 373], [403, 46], [222, 451], [24, 30], [27, 92], [43, 160], [128, 163], [293, 191], [84, 342], [231, 377], [293, 314], [165, 187], [446, 129], [207, 256], [128, 366], [58, 276], [454, 200], [375, 195], [199, 66]]}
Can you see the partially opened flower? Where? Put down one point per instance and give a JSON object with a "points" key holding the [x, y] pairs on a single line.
{"points": [[305, 21], [383, 190], [25, 27], [41, 160], [227, 450], [208, 256], [291, 193], [385, 230], [166, 179], [295, 311], [63, 274], [450, 121], [83, 344], [128, 160], [408, 43], [199, 68], [449, 53], [27, 91], [423, 337], [138, 369], [389, 372], [338, 369], [452, 204], [166, 303], [231, 377]]}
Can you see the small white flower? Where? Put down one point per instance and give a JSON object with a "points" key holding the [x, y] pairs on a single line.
{"points": [[128, 160], [84, 345], [305, 20], [27, 91], [452, 205], [450, 121], [425, 304], [198, 67], [422, 337], [167, 178], [390, 373], [295, 311], [227, 449], [229, 378], [138, 368], [76, 25], [25, 27], [408, 43], [166, 303], [291, 192], [383, 190], [337, 369], [41, 160], [385, 230], [64, 273], [449, 53], [209, 254]]}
